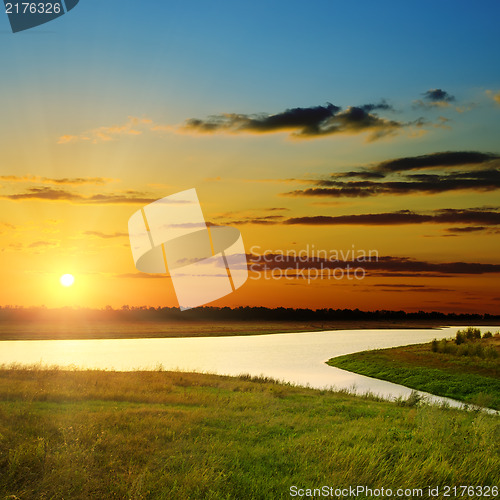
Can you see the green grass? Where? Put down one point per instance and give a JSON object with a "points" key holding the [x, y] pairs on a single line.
{"points": [[454, 374], [170, 435]]}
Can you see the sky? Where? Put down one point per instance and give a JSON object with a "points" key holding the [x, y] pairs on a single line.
{"points": [[320, 127]]}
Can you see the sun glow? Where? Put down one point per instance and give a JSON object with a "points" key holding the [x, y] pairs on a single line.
{"points": [[67, 280]]}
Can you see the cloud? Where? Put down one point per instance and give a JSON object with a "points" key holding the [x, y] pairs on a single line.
{"points": [[433, 185], [263, 220], [477, 217], [141, 276], [391, 178], [305, 123], [119, 199], [132, 127], [51, 194], [7, 225], [386, 287], [62, 180], [455, 231], [44, 193], [44, 244], [435, 98], [99, 234], [444, 216], [495, 95], [380, 266], [435, 160], [438, 95]]}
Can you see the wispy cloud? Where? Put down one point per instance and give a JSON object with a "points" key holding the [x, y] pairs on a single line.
{"points": [[132, 127], [44, 244], [60, 181], [50, 194], [99, 234], [494, 94]]}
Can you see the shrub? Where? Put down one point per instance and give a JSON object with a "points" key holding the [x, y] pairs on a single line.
{"points": [[472, 333], [460, 337], [487, 335], [490, 352]]}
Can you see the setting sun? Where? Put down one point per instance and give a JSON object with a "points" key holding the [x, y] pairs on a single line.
{"points": [[67, 280]]}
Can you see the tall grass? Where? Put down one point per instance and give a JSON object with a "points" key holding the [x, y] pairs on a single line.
{"points": [[167, 435]]}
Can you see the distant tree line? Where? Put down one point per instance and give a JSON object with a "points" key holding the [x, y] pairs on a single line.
{"points": [[144, 313]]}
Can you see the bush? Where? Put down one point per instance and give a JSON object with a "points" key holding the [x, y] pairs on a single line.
{"points": [[466, 344], [460, 337], [472, 333], [490, 352]]}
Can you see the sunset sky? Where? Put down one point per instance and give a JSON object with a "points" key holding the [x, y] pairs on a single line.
{"points": [[325, 124]]}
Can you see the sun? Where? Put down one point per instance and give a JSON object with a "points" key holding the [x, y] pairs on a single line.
{"points": [[67, 280]]}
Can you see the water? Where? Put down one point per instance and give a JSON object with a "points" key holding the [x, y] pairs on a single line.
{"points": [[291, 357]]}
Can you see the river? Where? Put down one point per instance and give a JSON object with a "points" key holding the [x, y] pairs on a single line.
{"points": [[298, 358]]}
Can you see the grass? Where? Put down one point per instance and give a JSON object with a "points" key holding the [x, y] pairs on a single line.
{"points": [[165, 435], [468, 371]]}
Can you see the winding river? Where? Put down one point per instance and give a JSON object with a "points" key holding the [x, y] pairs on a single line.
{"points": [[298, 358]]}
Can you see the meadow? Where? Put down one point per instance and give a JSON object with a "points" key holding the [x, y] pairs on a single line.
{"points": [[165, 435], [466, 368]]}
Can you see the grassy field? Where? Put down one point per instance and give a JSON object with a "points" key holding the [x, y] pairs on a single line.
{"points": [[170, 435], [469, 378]]}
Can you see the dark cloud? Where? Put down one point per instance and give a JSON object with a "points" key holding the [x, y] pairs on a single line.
{"points": [[362, 189], [438, 95], [264, 220], [480, 218], [446, 216], [435, 98], [435, 160], [362, 174], [388, 266], [309, 122], [50, 194], [383, 106], [472, 229], [390, 177]]}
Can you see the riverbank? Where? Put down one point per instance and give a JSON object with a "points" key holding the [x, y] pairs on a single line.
{"points": [[62, 330], [101, 434], [468, 378]]}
